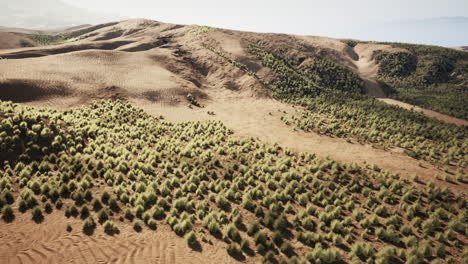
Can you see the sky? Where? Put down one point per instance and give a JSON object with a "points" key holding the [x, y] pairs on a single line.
{"points": [[390, 20]]}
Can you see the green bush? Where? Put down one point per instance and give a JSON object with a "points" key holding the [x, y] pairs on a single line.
{"points": [[329, 255], [110, 228], [89, 225], [234, 251], [362, 250], [37, 214], [105, 196], [152, 224], [137, 226], [233, 233], [103, 216], [192, 239], [350, 42], [7, 214], [113, 204], [48, 208]]}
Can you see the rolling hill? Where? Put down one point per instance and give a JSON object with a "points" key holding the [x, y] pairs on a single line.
{"points": [[227, 146]]}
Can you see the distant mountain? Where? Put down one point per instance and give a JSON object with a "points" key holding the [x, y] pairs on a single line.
{"points": [[442, 31], [47, 14]]}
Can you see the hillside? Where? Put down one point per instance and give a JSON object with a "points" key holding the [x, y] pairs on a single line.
{"points": [[234, 146]]}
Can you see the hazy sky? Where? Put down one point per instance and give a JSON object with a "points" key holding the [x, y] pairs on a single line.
{"points": [[335, 18]]}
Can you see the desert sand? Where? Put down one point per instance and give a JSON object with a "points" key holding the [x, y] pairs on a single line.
{"points": [[154, 66]]}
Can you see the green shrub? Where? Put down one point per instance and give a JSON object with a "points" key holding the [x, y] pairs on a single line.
{"points": [[105, 197], [158, 212], [350, 42], [245, 245], [234, 251], [329, 255], [287, 249], [113, 205], [152, 224], [253, 228], [7, 214], [59, 204], [89, 225], [37, 214], [387, 255], [362, 250], [182, 227], [192, 239], [425, 249], [110, 228], [233, 233], [137, 226], [260, 238], [8, 196], [48, 208], [96, 205], [277, 238], [222, 202], [103, 216]]}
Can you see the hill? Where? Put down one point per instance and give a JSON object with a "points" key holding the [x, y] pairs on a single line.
{"points": [[234, 146]]}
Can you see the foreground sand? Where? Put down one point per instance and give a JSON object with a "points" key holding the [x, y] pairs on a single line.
{"points": [[24, 241]]}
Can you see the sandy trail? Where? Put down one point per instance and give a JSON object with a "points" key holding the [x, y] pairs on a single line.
{"points": [[427, 112], [367, 68]]}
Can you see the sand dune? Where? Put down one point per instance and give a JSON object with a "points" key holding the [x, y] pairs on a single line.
{"points": [[9, 40]]}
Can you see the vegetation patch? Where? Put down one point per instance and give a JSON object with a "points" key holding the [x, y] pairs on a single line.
{"points": [[431, 77], [332, 75], [350, 42], [397, 64], [45, 40]]}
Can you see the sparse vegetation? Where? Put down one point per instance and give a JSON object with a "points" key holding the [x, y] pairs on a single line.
{"points": [[284, 204]]}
